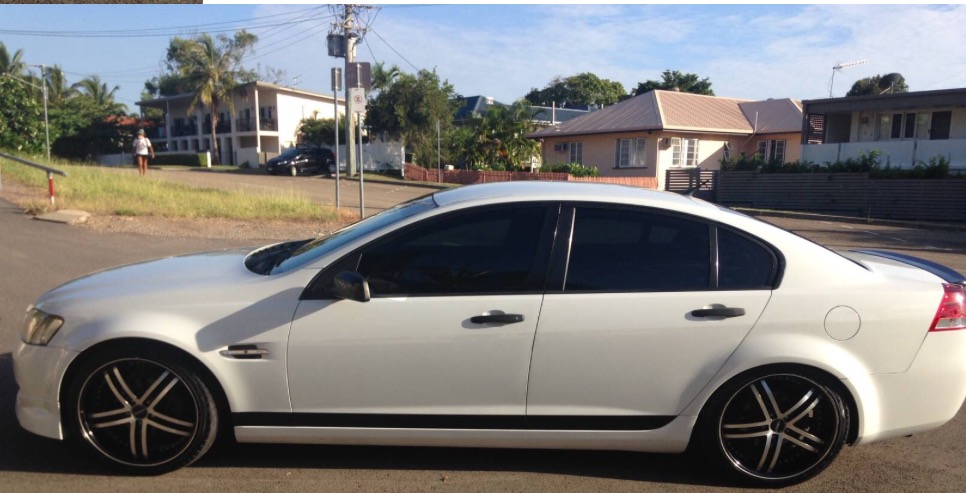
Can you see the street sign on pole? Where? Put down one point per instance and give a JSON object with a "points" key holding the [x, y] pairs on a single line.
{"points": [[359, 74], [358, 97]]}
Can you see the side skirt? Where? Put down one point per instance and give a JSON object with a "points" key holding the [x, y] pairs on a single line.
{"points": [[672, 437]]}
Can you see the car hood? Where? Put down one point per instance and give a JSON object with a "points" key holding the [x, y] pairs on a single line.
{"points": [[188, 274]]}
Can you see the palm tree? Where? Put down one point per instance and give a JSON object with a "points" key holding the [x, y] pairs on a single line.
{"points": [[382, 77], [92, 87], [58, 90], [13, 65], [212, 69]]}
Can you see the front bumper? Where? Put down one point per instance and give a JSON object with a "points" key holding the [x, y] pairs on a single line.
{"points": [[39, 371]]}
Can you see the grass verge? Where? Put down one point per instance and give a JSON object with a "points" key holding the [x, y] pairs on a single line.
{"points": [[98, 191]]}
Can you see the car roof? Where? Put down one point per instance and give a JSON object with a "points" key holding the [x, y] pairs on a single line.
{"points": [[571, 191]]}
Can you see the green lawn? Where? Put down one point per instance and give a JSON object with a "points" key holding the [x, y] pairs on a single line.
{"points": [[96, 190]]}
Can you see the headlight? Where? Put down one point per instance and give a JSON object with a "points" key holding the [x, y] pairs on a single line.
{"points": [[39, 327]]}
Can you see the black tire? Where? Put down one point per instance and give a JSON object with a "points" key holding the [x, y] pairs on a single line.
{"points": [[293, 171], [141, 411], [774, 427]]}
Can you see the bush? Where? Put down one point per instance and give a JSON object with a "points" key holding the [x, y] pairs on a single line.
{"points": [[937, 167], [574, 169], [188, 159]]}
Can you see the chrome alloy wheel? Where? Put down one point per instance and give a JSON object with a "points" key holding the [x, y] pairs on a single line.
{"points": [[781, 426], [138, 412]]}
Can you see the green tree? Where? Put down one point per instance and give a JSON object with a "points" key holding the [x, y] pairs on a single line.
{"points": [[80, 128], [103, 98], [409, 109], [211, 68], [11, 64], [577, 90], [873, 85], [21, 118], [498, 139], [672, 80], [320, 131], [58, 90], [383, 77]]}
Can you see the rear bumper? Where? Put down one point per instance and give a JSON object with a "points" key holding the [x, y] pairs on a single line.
{"points": [[925, 397]]}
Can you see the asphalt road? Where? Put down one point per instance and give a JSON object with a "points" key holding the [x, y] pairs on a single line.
{"points": [[38, 256]]}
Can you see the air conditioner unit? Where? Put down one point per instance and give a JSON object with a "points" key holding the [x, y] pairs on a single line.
{"points": [[665, 142], [561, 147]]}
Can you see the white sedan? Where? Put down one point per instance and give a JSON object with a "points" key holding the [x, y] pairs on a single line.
{"points": [[540, 315]]}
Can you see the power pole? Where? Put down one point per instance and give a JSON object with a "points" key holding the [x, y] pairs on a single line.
{"points": [[350, 56]]}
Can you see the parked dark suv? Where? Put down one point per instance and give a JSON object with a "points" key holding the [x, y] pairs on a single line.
{"points": [[301, 160]]}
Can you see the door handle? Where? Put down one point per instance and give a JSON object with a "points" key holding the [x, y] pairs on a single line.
{"points": [[718, 312], [503, 318]]}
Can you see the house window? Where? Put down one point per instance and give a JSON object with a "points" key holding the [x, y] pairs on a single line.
{"points": [[577, 152], [630, 153], [684, 152], [772, 150], [902, 126], [726, 150]]}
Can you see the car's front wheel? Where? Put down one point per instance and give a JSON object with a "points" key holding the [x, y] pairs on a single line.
{"points": [[774, 428], [292, 170], [142, 411]]}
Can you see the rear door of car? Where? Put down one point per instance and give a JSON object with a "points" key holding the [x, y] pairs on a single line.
{"points": [[644, 307]]}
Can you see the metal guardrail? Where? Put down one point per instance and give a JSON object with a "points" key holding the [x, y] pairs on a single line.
{"points": [[50, 172]]}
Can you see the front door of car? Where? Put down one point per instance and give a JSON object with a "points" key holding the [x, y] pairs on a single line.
{"points": [[642, 321], [448, 330]]}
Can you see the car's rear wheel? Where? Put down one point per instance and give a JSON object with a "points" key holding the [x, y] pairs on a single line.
{"points": [[774, 428], [142, 411], [292, 170]]}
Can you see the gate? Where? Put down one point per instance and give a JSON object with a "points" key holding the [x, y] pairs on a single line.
{"points": [[702, 184]]}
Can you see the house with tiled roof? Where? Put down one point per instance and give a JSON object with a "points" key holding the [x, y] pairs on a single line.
{"points": [[660, 130]]}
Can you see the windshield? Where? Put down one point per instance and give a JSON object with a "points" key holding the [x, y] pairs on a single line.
{"points": [[307, 252]]}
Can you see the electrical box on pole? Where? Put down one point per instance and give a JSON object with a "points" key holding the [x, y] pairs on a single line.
{"points": [[336, 44]]}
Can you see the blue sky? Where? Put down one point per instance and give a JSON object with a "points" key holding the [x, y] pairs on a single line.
{"points": [[748, 51]]}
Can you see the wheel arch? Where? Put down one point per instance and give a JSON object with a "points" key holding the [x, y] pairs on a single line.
{"points": [[821, 375], [203, 372]]}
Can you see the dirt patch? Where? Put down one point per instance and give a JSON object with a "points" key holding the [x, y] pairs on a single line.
{"points": [[34, 202]]}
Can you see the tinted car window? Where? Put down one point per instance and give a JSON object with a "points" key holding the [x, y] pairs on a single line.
{"points": [[489, 251], [626, 250], [743, 263]]}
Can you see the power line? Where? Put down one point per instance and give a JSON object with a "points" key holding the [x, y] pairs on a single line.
{"points": [[393, 49], [142, 34], [141, 31]]}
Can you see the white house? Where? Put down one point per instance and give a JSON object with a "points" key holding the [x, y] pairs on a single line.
{"points": [[905, 129], [263, 123]]}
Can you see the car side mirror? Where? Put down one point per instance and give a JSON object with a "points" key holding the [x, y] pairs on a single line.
{"points": [[349, 285]]}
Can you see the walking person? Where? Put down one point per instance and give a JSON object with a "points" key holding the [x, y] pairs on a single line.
{"points": [[142, 147]]}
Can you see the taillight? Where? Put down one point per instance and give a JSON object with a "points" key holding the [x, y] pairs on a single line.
{"points": [[951, 314]]}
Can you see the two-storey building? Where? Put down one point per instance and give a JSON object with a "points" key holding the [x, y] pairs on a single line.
{"points": [[262, 122]]}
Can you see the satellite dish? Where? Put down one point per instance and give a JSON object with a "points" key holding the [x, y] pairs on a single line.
{"points": [[889, 80]]}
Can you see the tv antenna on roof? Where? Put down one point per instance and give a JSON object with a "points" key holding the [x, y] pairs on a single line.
{"points": [[840, 66]]}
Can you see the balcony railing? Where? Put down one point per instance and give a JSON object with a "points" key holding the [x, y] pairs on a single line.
{"points": [[184, 130], [244, 125], [248, 124], [902, 153]]}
